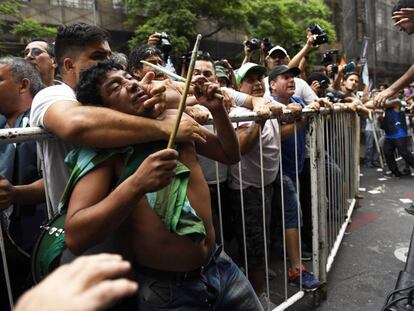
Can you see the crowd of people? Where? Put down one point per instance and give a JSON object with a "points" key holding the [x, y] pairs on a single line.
{"points": [[108, 175]]}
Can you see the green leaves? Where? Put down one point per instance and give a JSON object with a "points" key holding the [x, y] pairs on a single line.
{"points": [[24, 28]]}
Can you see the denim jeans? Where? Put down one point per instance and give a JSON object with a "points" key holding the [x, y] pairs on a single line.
{"points": [[222, 286]]}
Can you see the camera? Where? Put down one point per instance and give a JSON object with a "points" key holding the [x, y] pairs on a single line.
{"points": [[165, 44], [335, 96], [321, 36], [253, 44], [330, 58], [324, 84]]}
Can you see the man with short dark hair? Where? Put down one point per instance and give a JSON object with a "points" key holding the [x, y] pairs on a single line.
{"points": [[56, 109], [41, 54]]}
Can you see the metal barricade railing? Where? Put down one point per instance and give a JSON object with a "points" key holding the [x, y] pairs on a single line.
{"points": [[334, 173]]}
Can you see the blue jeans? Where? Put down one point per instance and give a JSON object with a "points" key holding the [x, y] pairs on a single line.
{"points": [[222, 286]]}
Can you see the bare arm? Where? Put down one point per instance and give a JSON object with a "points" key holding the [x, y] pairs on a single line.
{"points": [[288, 130], [307, 48], [94, 212], [33, 193], [248, 137], [404, 80], [106, 128]]}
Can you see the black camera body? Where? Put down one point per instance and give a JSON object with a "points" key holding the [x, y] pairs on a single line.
{"points": [[330, 58], [165, 44], [324, 84], [335, 96], [321, 36], [254, 44]]}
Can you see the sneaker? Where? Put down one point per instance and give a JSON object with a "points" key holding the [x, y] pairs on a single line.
{"points": [[266, 303], [410, 209], [308, 279], [306, 256]]}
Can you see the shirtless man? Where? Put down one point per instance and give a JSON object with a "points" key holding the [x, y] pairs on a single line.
{"points": [[174, 272]]}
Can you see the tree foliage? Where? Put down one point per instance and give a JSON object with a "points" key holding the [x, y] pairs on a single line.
{"points": [[24, 28], [283, 21], [179, 18]]}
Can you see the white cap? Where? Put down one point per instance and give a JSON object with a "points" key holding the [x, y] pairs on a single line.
{"points": [[275, 48]]}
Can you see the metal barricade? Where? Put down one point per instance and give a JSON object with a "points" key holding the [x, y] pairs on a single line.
{"points": [[334, 182]]}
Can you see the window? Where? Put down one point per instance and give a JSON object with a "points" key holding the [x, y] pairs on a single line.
{"points": [[79, 4]]}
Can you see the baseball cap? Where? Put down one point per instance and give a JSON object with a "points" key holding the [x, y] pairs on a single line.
{"points": [[282, 69], [277, 48], [221, 73], [246, 68]]}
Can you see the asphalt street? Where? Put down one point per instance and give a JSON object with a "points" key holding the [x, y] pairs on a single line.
{"points": [[373, 250]]}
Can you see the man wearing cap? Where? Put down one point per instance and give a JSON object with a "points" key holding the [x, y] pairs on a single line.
{"points": [[282, 87], [278, 56], [250, 80], [222, 77]]}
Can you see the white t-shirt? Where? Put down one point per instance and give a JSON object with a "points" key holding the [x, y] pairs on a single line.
{"points": [[239, 98], [250, 163], [302, 90], [53, 151]]}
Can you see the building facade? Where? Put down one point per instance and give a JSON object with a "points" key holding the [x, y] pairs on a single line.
{"points": [[388, 51]]}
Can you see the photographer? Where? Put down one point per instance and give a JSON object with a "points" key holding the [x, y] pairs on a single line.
{"points": [[319, 83], [148, 53], [315, 37]]}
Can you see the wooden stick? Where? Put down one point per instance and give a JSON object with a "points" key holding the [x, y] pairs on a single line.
{"points": [[164, 71], [173, 75], [183, 98]]}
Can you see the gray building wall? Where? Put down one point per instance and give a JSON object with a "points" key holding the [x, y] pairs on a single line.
{"points": [[389, 50]]}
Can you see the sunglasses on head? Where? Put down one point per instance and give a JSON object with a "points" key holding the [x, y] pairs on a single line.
{"points": [[34, 52]]}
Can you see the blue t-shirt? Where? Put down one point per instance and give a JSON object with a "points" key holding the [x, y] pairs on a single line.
{"points": [[288, 147], [401, 131]]}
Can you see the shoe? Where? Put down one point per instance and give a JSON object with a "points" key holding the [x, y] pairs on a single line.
{"points": [[306, 256], [406, 172], [266, 303], [308, 279], [410, 209]]}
